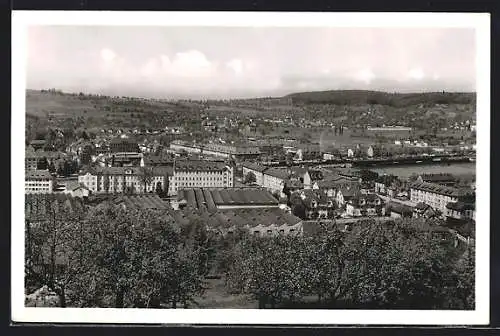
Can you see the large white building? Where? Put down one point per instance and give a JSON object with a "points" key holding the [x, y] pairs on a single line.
{"points": [[201, 174], [435, 195], [38, 182], [121, 179]]}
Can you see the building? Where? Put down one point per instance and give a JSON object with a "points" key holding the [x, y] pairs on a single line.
{"points": [[461, 210], [343, 195], [155, 161], [364, 205], [38, 144], [258, 222], [316, 203], [436, 195], [256, 169], [423, 210], [387, 185], [274, 179], [38, 182], [180, 146], [120, 145], [442, 178], [41, 159], [213, 199], [127, 159], [399, 210], [308, 152], [225, 151], [201, 174], [127, 179]]}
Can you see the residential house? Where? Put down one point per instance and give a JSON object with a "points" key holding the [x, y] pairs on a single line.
{"points": [[387, 185], [365, 205], [461, 210], [423, 210], [316, 203], [343, 195]]}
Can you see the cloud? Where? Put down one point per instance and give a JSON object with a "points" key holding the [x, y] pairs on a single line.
{"points": [[235, 65], [416, 74], [365, 75], [107, 55], [191, 61]]}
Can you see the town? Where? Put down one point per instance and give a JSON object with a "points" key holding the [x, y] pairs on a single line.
{"points": [[299, 166]]}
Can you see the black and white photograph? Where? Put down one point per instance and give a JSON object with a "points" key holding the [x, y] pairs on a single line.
{"points": [[268, 168]]}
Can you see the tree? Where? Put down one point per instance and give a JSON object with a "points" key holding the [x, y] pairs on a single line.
{"points": [[271, 269], [146, 177], [250, 178], [56, 244]]}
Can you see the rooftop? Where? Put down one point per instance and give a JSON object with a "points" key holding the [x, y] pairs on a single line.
{"points": [[236, 217], [438, 189], [254, 166], [31, 174], [211, 198], [199, 165], [460, 206], [280, 173]]}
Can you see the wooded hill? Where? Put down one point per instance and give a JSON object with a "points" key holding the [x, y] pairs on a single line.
{"points": [[360, 97]]}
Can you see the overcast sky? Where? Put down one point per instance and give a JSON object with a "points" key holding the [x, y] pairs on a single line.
{"points": [[196, 62]]}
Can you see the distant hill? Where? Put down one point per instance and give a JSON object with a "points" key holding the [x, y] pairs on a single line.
{"points": [[360, 97]]}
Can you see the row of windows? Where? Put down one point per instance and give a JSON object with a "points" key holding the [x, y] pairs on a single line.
{"points": [[203, 178], [193, 184], [37, 189], [29, 183]]}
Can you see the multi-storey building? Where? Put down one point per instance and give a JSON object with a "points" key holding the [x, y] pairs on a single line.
{"points": [[120, 145], [255, 169], [202, 174], [38, 182], [219, 150], [127, 179], [435, 195]]}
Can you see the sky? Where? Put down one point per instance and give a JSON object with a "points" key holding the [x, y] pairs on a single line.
{"points": [[226, 62]]}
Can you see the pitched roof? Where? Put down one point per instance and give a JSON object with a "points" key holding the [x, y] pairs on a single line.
{"points": [[438, 189], [211, 198], [254, 166], [199, 165], [441, 177], [460, 206], [36, 174], [237, 217], [278, 172]]}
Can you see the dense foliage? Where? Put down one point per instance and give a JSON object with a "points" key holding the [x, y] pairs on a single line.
{"points": [[107, 256]]}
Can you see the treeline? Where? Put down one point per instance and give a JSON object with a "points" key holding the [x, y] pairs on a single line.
{"points": [[111, 257], [357, 97]]}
